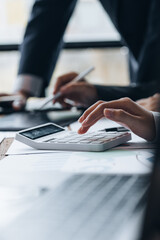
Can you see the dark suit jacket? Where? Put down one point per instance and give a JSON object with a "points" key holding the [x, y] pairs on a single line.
{"points": [[138, 22]]}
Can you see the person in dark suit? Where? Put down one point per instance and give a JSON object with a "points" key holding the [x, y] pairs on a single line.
{"points": [[138, 23]]}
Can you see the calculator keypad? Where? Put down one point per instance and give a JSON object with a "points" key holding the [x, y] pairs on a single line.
{"points": [[88, 138]]}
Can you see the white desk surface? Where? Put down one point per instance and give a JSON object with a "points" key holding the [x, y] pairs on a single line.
{"points": [[24, 173]]}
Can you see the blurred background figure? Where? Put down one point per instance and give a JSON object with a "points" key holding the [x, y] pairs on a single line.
{"points": [[43, 41]]}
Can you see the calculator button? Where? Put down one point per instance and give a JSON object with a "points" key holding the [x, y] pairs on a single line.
{"points": [[96, 142], [70, 139], [85, 141], [61, 141], [74, 141], [96, 137], [89, 138], [105, 141]]}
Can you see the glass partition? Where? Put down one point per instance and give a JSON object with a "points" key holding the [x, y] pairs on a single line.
{"points": [[83, 25]]}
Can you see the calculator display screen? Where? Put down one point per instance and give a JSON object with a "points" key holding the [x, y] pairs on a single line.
{"points": [[41, 132]]}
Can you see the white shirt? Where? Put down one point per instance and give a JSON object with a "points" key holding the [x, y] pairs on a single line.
{"points": [[29, 83]]}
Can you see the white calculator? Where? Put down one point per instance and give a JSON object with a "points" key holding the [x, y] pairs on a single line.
{"points": [[53, 137]]}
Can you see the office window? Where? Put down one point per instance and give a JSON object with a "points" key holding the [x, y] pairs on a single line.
{"points": [[13, 19], [83, 26], [111, 67]]}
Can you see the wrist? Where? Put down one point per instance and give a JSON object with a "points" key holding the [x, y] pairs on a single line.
{"points": [[28, 85], [23, 94]]}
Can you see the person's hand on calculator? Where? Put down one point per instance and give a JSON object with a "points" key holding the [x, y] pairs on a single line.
{"points": [[123, 111]]}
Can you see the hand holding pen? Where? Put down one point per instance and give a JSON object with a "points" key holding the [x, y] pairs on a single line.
{"points": [[74, 87]]}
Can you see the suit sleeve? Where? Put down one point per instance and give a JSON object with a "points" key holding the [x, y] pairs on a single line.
{"points": [[135, 92], [44, 38], [144, 43], [149, 57], [148, 72]]}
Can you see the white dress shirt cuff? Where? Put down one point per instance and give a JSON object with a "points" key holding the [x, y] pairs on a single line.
{"points": [[28, 83]]}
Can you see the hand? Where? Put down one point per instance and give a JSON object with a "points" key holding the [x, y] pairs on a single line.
{"points": [[81, 92], [123, 111], [151, 103], [17, 104]]}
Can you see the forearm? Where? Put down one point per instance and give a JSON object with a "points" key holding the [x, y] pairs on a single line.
{"points": [[135, 92]]}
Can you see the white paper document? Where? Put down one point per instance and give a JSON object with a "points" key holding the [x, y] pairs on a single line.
{"points": [[110, 162], [35, 162], [18, 148], [136, 143], [114, 162]]}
